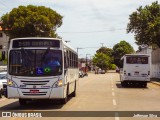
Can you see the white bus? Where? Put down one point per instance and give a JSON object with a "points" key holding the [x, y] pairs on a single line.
{"points": [[41, 68], [136, 70]]}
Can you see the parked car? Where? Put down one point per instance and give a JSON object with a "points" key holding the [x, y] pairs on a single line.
{"points": [[3, 80], [100, 71], [117, 70], [103, 72]]}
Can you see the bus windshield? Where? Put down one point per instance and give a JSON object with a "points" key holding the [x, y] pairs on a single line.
{"points": [[137, 60], [35, 62]]}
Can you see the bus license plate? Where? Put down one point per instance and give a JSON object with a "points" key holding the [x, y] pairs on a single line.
{"points": [[34, 91], [136, 73]]}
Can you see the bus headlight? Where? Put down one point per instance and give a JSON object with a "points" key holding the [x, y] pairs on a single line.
{"points": [[11, 83], [58, 84]]}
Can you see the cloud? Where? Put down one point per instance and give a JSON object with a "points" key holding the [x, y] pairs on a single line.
{"points": [[88, 15]]}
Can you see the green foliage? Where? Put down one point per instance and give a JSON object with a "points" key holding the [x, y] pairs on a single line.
{"points": [[4, 62], [105, 50], [107, 58], [145, 23], [112, 67], [31, 21], [121, 49], [102, 60]]}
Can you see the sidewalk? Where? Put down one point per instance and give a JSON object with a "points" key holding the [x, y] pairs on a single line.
{"points": [[155, 81]]}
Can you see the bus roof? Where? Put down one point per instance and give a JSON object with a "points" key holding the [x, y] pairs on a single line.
{"points": [[135, 55], [69, 46], [49, 38]]}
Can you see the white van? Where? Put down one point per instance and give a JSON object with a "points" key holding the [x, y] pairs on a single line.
{"points": [[3, 80], [136, 70]]}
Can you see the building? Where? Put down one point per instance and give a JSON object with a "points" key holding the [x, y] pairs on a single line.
{"points": [[3, 44], [3, 40], [156, 63]]}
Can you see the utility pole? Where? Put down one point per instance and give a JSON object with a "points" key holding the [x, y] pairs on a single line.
{"points": [[102, 44], [78, 49]]}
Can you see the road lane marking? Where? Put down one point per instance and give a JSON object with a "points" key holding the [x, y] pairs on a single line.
{"points": [[112, 88], [114, 102], [112, 78], [113, 94], [116, 116], [2, 99]]}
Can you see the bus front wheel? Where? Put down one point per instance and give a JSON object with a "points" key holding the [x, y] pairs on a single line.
{"points": [[22, 101], [64, 100], [74, 92]]}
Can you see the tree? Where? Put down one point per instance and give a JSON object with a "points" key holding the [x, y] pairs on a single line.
{"points": [[105, 50], [102, 60], [145, 23], [31, 21], [121, 49]]}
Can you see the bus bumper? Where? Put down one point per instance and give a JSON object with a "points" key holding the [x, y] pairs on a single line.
{"points": [[133, 78], [52, 93]]}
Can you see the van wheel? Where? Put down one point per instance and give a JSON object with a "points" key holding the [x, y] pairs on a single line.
{"points": [[144, 84], [64, 100], [22, 101], [123, 83]]}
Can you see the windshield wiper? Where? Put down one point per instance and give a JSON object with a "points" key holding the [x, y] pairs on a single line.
{"points": [[46, 52], [25, 52]]}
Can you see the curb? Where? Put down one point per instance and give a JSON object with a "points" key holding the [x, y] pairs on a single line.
{"points": [[156, 83]]}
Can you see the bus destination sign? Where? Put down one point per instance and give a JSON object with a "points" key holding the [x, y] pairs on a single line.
{"points": [[35, 43]]}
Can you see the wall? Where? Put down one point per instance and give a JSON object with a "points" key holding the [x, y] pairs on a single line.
{"points": [[3, 41], [156, 63]]}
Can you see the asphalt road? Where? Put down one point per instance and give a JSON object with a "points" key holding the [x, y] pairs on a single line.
{"points": [[102, 92]]}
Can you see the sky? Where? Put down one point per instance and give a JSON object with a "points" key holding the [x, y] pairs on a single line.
{"points": [[88, 24]]}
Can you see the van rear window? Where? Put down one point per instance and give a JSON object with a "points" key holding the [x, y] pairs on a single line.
{"points": [[137, 60]]}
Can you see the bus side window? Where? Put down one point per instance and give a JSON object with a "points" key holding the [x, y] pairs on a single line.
{"points": [[68, 59], [65, 61]]}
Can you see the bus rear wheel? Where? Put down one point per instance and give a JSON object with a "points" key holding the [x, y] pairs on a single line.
{"points": [[123, 83], [144, 84]]}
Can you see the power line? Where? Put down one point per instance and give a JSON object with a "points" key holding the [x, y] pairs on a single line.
{"points": [[4, 5], [95, 47], [93, 31], [90, 47]]}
